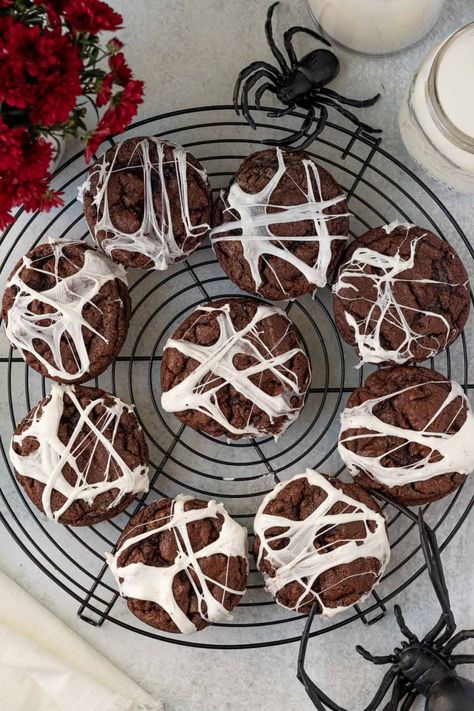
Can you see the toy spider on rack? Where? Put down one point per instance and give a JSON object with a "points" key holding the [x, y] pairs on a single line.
{"points": [[425, 666], [302, 84]]}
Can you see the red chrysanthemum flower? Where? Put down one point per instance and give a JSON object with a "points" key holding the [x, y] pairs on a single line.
{"points": [[117, 117], [105, 91], [40, 69], [11, 146], [91, 16], [35, 161]]}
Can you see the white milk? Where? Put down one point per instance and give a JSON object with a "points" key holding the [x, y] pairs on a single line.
{"points": [[437, 116], [376, 26]]}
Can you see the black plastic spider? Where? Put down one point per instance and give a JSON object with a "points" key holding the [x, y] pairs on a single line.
{"points": [[425, 667], [300, 84]]}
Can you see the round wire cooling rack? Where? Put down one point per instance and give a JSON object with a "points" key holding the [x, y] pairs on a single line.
{"points": [[380, 189]]}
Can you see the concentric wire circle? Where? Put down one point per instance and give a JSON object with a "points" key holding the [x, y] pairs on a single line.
{"points": [[380, 189]]}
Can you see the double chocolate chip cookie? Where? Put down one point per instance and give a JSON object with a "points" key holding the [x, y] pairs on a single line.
{"points": [[320, 540], [66, 308], [409, 432], [147, 203], [80, 455], [402, 295], [235, 367], [280, 227], [182, 564]]}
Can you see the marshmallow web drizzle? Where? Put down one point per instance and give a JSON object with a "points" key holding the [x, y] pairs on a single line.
{"points": [[216, 369], [456, 450], [384, 309], [154, 584], [67, 299], [155, 237], [255, 221], [46, 463], [299, 561]]}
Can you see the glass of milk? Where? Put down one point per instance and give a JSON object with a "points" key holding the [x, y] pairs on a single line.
{"points": [[437, 115], [375, 26]]}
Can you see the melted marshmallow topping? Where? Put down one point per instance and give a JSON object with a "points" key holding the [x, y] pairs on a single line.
{"points": [[384, 308], [195, 391], [456, 450], [45, 464], [155, 237], [255, 221], [155, 584], [67, 299], [298, 560]]}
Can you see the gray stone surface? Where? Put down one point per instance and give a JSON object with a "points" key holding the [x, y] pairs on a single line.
{"points": [[189, 52]]}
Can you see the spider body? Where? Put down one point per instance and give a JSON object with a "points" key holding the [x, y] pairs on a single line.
{"points": [[297, 83], [312, 72], [425, 667], [421, 667]]}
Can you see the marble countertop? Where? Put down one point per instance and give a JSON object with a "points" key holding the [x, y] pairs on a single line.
{"points": [[189, 53]]}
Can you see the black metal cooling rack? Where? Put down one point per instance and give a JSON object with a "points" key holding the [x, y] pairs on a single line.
{"points": [[380, 189]]}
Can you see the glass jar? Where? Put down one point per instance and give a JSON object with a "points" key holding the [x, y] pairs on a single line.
{"points": [[375, 26], [437, 114]]}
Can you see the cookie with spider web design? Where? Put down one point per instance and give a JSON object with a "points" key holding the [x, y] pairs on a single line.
{"points": [[80, 455], [235, 367], [181, 563], [320, 540], [408, 432], [282, 224], [66, 308], [401, 296]]}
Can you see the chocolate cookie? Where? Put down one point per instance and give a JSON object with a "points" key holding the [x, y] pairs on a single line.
{"points": [[66, 307], [320, 539], [182, 564], [80, 455], [280, 227], [408, 432], [147, 203], [402, 295], [235, 367]]}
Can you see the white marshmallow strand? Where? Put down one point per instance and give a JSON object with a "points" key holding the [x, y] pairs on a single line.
{"points": [[67, 299], [456, 451], [299, 560], [155, 237], [254, 221], [46, 463], [195, 392], [385, 272], [155, 584]]}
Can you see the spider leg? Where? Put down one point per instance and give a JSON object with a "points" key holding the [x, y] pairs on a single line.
{"points": [[402, 625], [261, 90], [457, 639], [397, 695], [281, 112], [319, 127], [271, 42], [318, 698], [348, 115], [389, 659], [293, 137], [245, 94], [383, 688], [408, 703], [359, 103], [272, 73], [288, 37], [446, 622], [462, 659]]}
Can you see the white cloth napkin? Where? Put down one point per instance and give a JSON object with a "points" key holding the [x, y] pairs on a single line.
{"points": [[45, 666]]}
